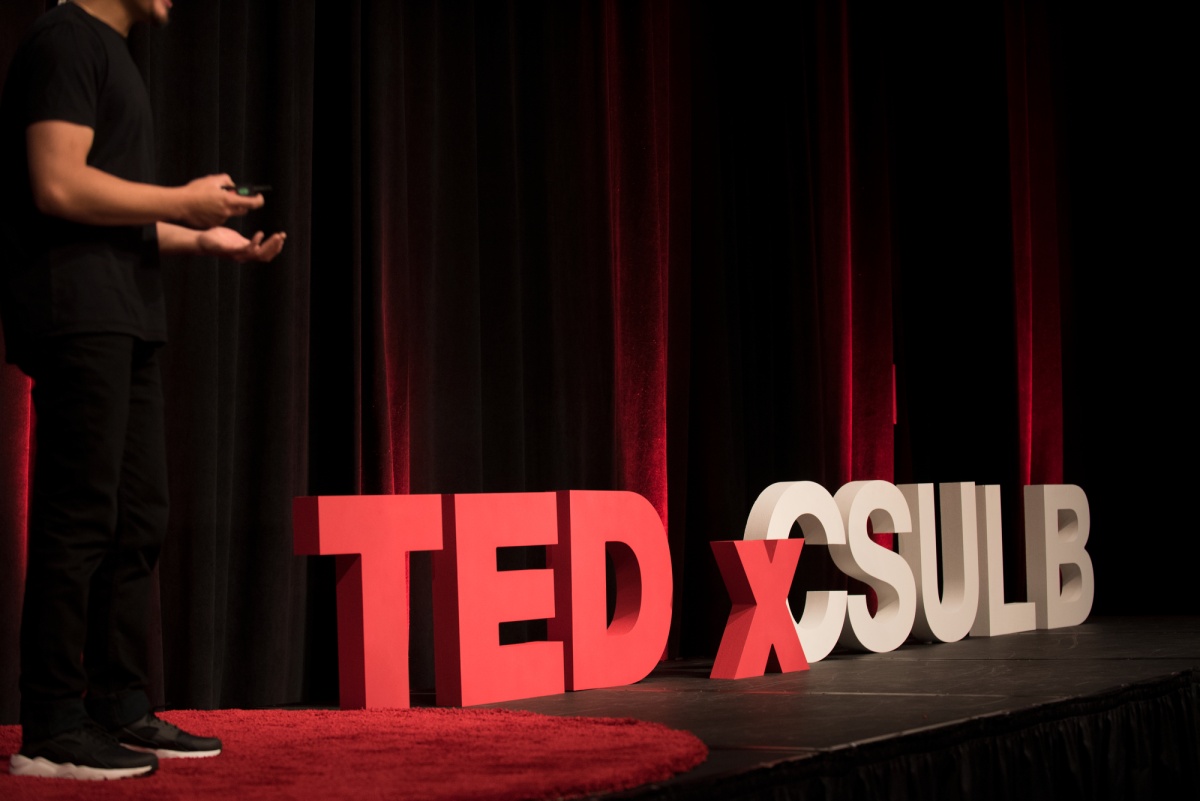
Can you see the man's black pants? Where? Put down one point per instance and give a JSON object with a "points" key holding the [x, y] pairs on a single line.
{"points": [[98, 514]]}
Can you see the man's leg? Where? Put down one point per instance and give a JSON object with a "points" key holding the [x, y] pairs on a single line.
{"points": [[115, 657], [119, 614], [81, 407]]}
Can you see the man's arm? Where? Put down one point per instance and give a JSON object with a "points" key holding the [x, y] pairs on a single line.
{"points": [[64, 185], [224, 242]]}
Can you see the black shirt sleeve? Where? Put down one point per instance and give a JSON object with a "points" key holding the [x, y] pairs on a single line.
{"points": [[65, 76]]}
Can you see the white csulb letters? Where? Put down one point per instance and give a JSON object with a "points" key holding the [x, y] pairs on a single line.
{"points": [[1058, 569]]}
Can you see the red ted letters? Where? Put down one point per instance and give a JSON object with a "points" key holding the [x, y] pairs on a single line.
{"points": [[372, 536]]}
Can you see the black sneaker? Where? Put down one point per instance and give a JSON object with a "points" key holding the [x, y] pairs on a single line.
{"points": [[87, 753], [165, 740]]}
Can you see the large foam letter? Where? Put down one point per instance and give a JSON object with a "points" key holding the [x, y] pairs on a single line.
{"points": [[758, 575], [1057, 522], [809, 505], [472, 598], [626, 526], [884, 570], [995, 617], [372, 536], [949, 617]]}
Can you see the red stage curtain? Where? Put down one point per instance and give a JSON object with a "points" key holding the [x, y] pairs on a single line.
{"points": [[853, 250], [1036, 282], [14, 467]]}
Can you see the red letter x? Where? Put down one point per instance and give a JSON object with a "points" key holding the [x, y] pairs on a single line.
{"points": [[758, 575]]}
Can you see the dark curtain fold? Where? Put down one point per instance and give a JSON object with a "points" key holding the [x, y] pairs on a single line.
{"points": [[1036, 262], [231, 85], [683, 249]]}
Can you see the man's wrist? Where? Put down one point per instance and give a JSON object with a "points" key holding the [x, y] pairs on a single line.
{"points": [[178, 240]]}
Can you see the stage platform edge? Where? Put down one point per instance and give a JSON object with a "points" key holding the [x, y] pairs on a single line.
{"points": [[1106, 709]]}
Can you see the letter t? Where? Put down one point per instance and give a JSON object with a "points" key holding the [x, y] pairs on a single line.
{"points": [[372, 536]]}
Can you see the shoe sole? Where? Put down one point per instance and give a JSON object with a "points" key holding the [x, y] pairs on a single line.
{"points": [[163, 753], [20, 765]]}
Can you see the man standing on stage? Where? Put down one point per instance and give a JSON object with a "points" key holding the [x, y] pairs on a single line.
{"points": [[82, 226]]}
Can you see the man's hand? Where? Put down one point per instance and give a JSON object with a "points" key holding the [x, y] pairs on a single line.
{"points": [[208, 203], [229, 244]]}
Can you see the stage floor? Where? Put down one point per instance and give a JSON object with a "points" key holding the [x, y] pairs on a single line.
{"points": [[847, 702]]}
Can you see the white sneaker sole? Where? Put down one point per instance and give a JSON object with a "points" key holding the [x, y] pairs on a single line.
{"points": [[20, 765], [163, 753]]}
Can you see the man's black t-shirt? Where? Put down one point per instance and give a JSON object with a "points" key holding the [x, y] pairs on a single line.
{"points": [[60, 277]]}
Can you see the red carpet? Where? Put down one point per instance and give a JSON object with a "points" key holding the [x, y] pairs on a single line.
{"points": [[438, 753]]}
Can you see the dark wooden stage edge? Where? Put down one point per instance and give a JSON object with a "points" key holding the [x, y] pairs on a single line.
{"points": [[1107, 709]]}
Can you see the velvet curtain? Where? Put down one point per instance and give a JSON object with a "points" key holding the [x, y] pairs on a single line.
{"points": [[684, 249]]}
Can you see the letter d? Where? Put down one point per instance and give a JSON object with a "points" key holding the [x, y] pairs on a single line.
{"points": [[627, 526]]}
